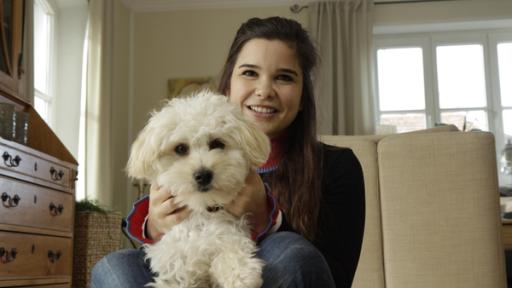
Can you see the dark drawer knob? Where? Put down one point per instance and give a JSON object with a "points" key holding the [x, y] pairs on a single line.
{"points": [[53, 256], [9, 161], [56, 174], [9, 201], [56, 209], [7, 256]]}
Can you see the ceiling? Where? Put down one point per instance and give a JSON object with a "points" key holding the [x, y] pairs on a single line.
{"points": [[70, 3], [163, 5]]}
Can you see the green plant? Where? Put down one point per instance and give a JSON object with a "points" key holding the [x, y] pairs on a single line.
{"points": [[91, 206]]}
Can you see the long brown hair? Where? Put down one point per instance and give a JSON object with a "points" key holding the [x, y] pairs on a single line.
{"points": [[296, 183]]}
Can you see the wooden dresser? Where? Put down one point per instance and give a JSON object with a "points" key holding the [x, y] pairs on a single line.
{"points": [[36, 217], [37, 179]]}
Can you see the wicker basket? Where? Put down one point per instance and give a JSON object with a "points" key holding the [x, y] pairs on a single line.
{"points": [[96, 235]]}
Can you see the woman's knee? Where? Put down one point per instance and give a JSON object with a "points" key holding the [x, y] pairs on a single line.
{"points": [[290, 258], [121, 268]]}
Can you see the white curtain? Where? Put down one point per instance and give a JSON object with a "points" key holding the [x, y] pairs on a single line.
{"points": [[97, 105], [343, 32]]}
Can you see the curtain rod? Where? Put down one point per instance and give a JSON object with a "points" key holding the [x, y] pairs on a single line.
{"points": [[406, 1], [296, 8]]}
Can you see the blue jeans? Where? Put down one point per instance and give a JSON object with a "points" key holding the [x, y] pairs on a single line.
{"points": [[290, 261]]}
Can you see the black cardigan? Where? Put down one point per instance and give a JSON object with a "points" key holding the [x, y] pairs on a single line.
{"points": [[342, 213]]}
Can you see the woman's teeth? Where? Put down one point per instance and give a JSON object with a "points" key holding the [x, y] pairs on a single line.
{"points": [[260, 109]]}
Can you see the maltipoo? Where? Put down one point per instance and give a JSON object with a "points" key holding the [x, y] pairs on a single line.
{"points": [[201, 150]]}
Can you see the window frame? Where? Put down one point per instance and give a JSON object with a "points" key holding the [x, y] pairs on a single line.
{"points": [[405, 41], [49, 96], [428, 41], [494, 39], [465, 38]]}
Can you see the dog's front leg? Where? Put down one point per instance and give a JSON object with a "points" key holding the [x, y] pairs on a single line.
{"points": [[236, 269]]}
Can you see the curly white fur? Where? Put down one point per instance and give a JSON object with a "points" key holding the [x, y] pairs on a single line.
{"points": [[208, 249]]}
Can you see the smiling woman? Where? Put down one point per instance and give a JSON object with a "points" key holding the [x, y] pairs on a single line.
{"points": [[296, 201], [267, 84]]}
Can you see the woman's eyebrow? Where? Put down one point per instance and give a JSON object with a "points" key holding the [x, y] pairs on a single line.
{"points": [[282, 70], [290, 71], [248, 66]]}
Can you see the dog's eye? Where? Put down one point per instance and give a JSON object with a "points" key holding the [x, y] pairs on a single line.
{"points": [[216, 144], [181, 149]]}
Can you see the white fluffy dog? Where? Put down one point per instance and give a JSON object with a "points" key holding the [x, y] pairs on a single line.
{"points": [[201, 149]]}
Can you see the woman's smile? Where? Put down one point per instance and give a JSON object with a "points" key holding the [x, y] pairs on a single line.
{"points": [[262, 110]]}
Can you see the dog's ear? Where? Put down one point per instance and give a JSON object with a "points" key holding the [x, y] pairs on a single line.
{"points": [[146, 148], [143, 154], [253, 141]]}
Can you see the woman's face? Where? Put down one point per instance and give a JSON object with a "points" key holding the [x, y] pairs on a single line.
{"points": [[267, 84]]}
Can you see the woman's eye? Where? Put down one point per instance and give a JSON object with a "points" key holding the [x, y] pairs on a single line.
{"points": [[250, 73], [216, 144], [181, 149], [285, 77]]}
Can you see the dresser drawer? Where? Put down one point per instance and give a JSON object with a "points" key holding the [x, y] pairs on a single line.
{"points": [[58, 282], [54, 173], [33, 165], [25, 255], [30, 205], [18, 161], [47, 286]]}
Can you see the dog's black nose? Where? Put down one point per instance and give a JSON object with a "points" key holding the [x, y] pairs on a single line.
{"points": [[203, 177]]}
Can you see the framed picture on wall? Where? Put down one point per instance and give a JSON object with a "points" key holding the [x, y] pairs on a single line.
{"points": [[179, 87]]}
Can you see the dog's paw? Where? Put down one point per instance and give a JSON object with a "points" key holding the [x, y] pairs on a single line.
{"points": [[165, 283], [237, 274], [253, 281]]}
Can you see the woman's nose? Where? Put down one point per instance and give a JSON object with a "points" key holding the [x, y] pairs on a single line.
{"points": [[265, 89]]}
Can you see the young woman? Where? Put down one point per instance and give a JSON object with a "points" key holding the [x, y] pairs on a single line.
{"points": [[314, 238]]}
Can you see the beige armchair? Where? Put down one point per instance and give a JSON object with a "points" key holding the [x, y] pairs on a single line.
{"points": [[432, 207]]}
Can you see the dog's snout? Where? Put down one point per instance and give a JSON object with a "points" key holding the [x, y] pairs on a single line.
{"points": [[203, 177]]}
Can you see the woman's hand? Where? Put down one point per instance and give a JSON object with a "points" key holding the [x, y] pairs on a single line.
{"points": [[163, 213], [252, 200]]}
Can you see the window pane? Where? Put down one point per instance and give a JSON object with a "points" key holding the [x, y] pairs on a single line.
{"points": [[474, 119], [505, 68], [41, 48], [507, 122], [400, 76], [41, 107], [405, 122], [461, 76]]}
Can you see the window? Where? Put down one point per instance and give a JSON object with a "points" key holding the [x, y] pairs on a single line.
{"points": [[43, 35], [461, 86], [401, 88], [505, 84], [434, 79], [460, 78]]}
